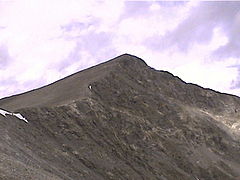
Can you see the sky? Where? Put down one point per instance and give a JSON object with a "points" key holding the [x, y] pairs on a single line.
{"points": [[42, 41]]}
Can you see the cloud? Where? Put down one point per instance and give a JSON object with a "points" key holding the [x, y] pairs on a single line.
{"points": [[43, 41], [184, 42], [232, 30], [5, 58], [199, 26], [144, 23], [47, 40], [236, 83], [136, 9]]}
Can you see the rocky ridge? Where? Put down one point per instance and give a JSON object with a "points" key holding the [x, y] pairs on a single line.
{"points": [[121, 120]]}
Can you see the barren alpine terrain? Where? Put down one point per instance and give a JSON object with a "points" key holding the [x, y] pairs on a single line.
{"points": [[120, 120]]}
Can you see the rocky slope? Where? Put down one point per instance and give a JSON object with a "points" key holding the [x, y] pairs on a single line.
{"points": [[121, 120]]}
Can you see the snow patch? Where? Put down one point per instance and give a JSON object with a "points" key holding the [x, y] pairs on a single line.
{"points": [[4, 113], [17, 115]]}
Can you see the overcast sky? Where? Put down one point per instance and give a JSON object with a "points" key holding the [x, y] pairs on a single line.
{"points": [[42, 41]]}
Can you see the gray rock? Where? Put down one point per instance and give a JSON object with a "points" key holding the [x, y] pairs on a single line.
{"points": [[121, 120]]}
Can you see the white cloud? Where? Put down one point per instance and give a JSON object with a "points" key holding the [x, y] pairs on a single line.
{"points": [[218, 39], [217, 76], [36, 40], [43, 40]]}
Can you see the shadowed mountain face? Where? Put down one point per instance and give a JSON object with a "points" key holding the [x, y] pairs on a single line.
{"points": [[121, 120]]}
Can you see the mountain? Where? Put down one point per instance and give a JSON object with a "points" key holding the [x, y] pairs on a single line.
{"points": [[120, 120]]}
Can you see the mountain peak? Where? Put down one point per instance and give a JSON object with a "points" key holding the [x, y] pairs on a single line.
{"points": [[127, 59], [120, 120], [71, 87], [126, 55]]}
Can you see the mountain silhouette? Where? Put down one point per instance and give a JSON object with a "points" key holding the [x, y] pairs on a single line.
{"points": [[120, 120]]}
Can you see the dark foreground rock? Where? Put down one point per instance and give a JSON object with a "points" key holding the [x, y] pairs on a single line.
{"points": [[121, 120]]}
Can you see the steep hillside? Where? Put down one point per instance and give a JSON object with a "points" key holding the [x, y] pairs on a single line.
{"points": [[121, 120]]}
